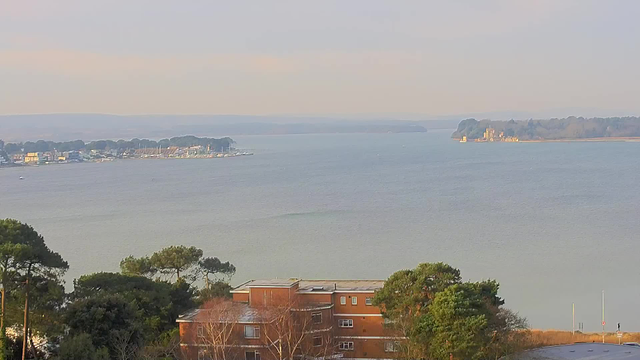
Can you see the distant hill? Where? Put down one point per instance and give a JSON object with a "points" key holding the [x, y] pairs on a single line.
{"points": [[553, 129], [64, 127]]}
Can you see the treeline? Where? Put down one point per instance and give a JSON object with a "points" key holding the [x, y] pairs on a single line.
{"points": [[222, 144], [439, 316], [130, 314], [3, 154], [553, 129]]}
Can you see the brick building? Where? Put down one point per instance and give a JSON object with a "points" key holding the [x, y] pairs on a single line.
{"points": [[280, 319]]}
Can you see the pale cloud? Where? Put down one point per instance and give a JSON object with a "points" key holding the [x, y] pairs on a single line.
{"points": [[437, 57], [27, 9], [95, 65], [378, 81], [475, 19]]}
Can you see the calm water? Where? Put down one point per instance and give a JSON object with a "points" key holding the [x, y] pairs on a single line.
{"points": [[555, 223]]}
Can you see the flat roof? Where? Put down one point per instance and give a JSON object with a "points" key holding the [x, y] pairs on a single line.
{"points": [[240, 312], [272, 282], [583, 351], [340, 285], [315, 286]]}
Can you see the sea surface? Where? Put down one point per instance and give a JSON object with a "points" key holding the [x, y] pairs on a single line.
{"points": [[554, 223]]}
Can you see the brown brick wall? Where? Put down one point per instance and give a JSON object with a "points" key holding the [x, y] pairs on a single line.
{"points": [[360, 308], [269, 296], [363, 326], [310, 298], [241, 297], [366, 348]]}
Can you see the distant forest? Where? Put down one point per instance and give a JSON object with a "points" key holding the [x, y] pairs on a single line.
{"points": [[554, 129], [222, 144]]}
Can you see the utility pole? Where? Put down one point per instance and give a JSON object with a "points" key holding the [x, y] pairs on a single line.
{"points": [[573, 324], [603, 323], [25, 331]]}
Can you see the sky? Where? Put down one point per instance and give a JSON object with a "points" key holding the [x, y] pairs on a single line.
{"points": [[318, 57]]}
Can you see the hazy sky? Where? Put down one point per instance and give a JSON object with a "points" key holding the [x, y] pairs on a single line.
{"points": [[318, 57]]}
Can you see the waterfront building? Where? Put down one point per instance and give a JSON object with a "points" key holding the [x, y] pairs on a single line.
{"points": [[33, 158], [331, 319], [489, 134]]}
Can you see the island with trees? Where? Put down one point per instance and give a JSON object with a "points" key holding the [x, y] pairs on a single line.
{"points": [[571, 128], [50, 152]]}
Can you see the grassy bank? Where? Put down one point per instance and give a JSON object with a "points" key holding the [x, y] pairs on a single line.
{"points": [[540, 338]]}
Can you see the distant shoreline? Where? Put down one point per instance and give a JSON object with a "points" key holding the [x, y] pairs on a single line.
{"points": [[600, 139], [620, 129]]}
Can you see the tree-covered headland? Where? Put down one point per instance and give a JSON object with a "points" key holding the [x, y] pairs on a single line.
{"points": [[553, 129]]}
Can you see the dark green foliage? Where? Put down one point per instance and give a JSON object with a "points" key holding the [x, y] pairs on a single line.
{"points": [[567, 128], [215, 144], [212, 266], [80, 347], [218, 289], [12, 148], [411, 291], [176, 260], [441, 315], [137, 266], [170, 261], [120, 145], [457, 323], [109, 315], [128, 313], [14, 349], [104, 318], [152, 300], [46, 301], [182, 297], [25, 246], [25, 258]]}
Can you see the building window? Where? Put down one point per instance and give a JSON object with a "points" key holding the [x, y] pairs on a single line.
{"points": [[316, 318], [346, 345], [354, 300], [346, 323], [252, 355], [368, 301], [200, 331], [391, 346], [317, 341], [343, 300], [251, 332]]}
